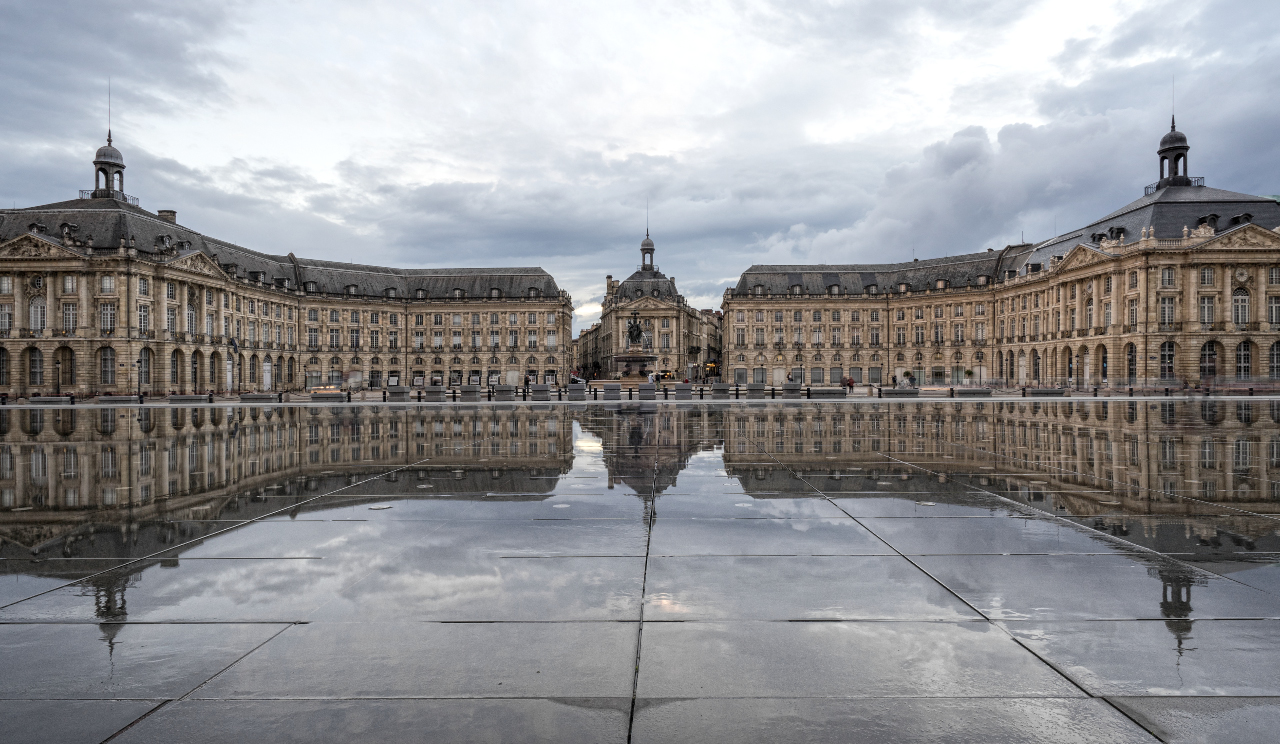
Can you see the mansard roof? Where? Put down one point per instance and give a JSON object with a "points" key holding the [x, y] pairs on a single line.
{"points": [[644, 283], [958, 271], [1168, 211], [104, 223]]}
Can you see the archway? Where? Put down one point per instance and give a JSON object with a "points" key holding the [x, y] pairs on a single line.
{"points": [[266, 374], [35, 367], [1131, 362], [107, 367], [216, 382], [1168, 353], [1274, 358], [65, 362], [144, 369], [1244, 360], [175, 371], [1208, 361]]}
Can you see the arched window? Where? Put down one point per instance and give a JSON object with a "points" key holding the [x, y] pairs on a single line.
{"points": [[35, 367], [253, 369], [144, 367], [4, 366], [1088, 313], [1166, 360], [1102, 363], [175, 363], [107, 366], [1244, 360], [1131, 362], [1274, 359], [1209, 361], [1240, 306]]}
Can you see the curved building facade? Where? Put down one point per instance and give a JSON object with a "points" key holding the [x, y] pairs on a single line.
{"points": [[1181, 286], [100, 295]]}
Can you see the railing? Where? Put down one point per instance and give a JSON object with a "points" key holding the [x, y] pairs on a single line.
{"points": [[1154, 187], [108, 194]]}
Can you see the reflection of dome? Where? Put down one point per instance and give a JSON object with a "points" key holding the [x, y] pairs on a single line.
{"points": [[108, 155]]}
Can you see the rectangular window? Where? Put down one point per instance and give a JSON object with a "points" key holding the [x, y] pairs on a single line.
{"points": [[253, 331], [1133, 312], [354, 336], [69, 317], [1106, 313], [6, 285], [533, 340], [333, 317], [513, 339], [108, 313], [875, 316], [68, 284], [6, 317], [144, 317], [313, 316], [1106, 285], [355, 315], [335, 337], [1166, 311], [375, 337], [437, 340], [1206, 309], [1206, 276], [1273, 310], [666, 341], [551, 340], [1168, 276], [1273, 275], [457, 339], [313, 337], [393, 339], [108, 284], [374, 318], [958, 334]]}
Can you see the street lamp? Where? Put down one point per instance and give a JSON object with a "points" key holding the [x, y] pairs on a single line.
{"points": [[137, 372], [57, 372]]}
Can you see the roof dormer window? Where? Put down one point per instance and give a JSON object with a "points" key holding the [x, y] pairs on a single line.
{"points": [[834, 289], [459, 293], [352, 289], [758, 290], [1241, 219], [940, 284], [495, 293], [390, 292], [421, 294], [795, 289], [310, 287], [871, 289], [535, 292]]}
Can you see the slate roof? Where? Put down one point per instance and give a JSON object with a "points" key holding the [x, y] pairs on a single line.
{"points": [[1168, 210], [645, 282], [104, 222], [959, 271]]}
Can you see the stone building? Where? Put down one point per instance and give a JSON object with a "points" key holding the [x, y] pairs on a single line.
{"points": [[646, 326], [1181, 285], [100, 295]]}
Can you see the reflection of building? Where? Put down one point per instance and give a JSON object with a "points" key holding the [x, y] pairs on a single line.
{"points": [[1182, 284], [646, 326], [100, 484], [647, 446], [90, 286]]}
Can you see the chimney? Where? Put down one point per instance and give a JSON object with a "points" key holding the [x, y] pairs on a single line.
{"points": [[168, 215]]}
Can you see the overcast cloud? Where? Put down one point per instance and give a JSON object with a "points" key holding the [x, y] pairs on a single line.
{"points": [[489, 134]]}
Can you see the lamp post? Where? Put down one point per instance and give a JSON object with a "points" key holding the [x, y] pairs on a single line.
{"points": [[57, 380], [137, 372]]}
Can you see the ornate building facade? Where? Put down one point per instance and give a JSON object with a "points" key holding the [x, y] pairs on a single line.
{"points": [[669, 337], [1179, 286], [100, 295]]}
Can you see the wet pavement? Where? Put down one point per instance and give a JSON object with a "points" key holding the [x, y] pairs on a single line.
{"points": [[996, 571]]}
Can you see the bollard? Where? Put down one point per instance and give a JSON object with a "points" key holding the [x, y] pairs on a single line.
{"points": [[419, 396], [210, 397], [664, 392], [808, 392], [700, 391], [384, 396], [348, 396], [1250, 391], [1130, 392], [951, 392], [773, 393], [735, 391], [879, 392], [1166, 392], [72, 396], [1095, 391], [1024, 392]]}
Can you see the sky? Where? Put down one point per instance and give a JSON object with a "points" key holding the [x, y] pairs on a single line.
{"points": [[488, 134]]}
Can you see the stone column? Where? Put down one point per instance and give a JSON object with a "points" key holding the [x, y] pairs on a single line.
{"points": [[50, 298]]}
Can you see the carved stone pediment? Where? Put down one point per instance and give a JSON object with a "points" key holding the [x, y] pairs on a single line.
{"points": [[198, 263], [1249, 237], [27, 247], [1081, 255]]}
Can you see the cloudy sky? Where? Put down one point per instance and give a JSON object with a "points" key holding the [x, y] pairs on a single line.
{"points": [[487, 134]]}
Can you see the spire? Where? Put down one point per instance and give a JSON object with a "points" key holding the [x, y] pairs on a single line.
{"points": [[1173, 122]]}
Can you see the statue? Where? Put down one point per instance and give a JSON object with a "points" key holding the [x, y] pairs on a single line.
{"points": [[634, 331]]}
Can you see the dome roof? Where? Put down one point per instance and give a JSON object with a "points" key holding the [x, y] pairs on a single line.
{"points": [[1174, 138], [646, 243], [109, 154]]}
